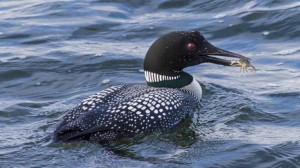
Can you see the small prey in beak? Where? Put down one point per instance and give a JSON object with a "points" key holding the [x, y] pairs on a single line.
{"points": [[243, 62]]}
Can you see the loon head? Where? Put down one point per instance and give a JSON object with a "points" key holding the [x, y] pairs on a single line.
{"points": [[171, 53]]}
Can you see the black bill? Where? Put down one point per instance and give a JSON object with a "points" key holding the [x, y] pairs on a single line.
{"points": [[212, 50]]}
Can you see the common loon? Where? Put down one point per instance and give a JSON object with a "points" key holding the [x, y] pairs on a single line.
{"points": [[171, 95]]}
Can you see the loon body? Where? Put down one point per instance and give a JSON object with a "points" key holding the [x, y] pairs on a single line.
{"points": [[171, 95]]}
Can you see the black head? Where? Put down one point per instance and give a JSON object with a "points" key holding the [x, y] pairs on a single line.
{"points": [[176, 50]]}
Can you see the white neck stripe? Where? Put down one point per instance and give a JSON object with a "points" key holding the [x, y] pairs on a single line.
{"points": [[154, 77]]}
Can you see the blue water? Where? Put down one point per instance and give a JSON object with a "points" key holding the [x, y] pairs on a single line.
{"points": [[55, 53]]}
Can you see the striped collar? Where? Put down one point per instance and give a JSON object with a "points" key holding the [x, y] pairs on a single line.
{"points": [[179, 80], [154, 77]]}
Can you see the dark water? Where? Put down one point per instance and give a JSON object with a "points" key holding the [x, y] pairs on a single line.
{"points": [[55, 53]]}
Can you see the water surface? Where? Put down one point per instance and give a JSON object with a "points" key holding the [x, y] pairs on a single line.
{"points": [[55, 53]]}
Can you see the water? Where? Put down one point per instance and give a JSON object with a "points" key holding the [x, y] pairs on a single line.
{"points": [[55, 53]]}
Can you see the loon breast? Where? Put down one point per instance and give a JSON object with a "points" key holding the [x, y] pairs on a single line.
{"points": [[124, 111], [194, 88]]}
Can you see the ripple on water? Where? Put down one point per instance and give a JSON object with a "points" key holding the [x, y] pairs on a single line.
{"points": [[93, 30]]}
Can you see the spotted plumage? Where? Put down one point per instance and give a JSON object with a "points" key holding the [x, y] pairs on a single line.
{"points": [[170, 96], [126, 110]]}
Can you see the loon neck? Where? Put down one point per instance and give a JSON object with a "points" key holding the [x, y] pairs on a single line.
{"points": [[176, 80]]}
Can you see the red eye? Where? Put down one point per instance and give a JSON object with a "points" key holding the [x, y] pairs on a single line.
{"points": [[191, 47]]}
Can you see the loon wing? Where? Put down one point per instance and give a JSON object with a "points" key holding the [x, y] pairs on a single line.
{"points": [[125, 110]]}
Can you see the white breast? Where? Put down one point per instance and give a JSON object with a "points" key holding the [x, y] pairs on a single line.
{"points": [[194, 88]]}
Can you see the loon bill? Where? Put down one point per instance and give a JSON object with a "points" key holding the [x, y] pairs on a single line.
{"points": [[171, 95]]}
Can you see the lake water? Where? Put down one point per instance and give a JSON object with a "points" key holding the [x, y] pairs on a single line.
{"points": [[55, 53]]}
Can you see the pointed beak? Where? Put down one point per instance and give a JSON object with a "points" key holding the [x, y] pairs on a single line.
{"points": [[212, 50]]}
